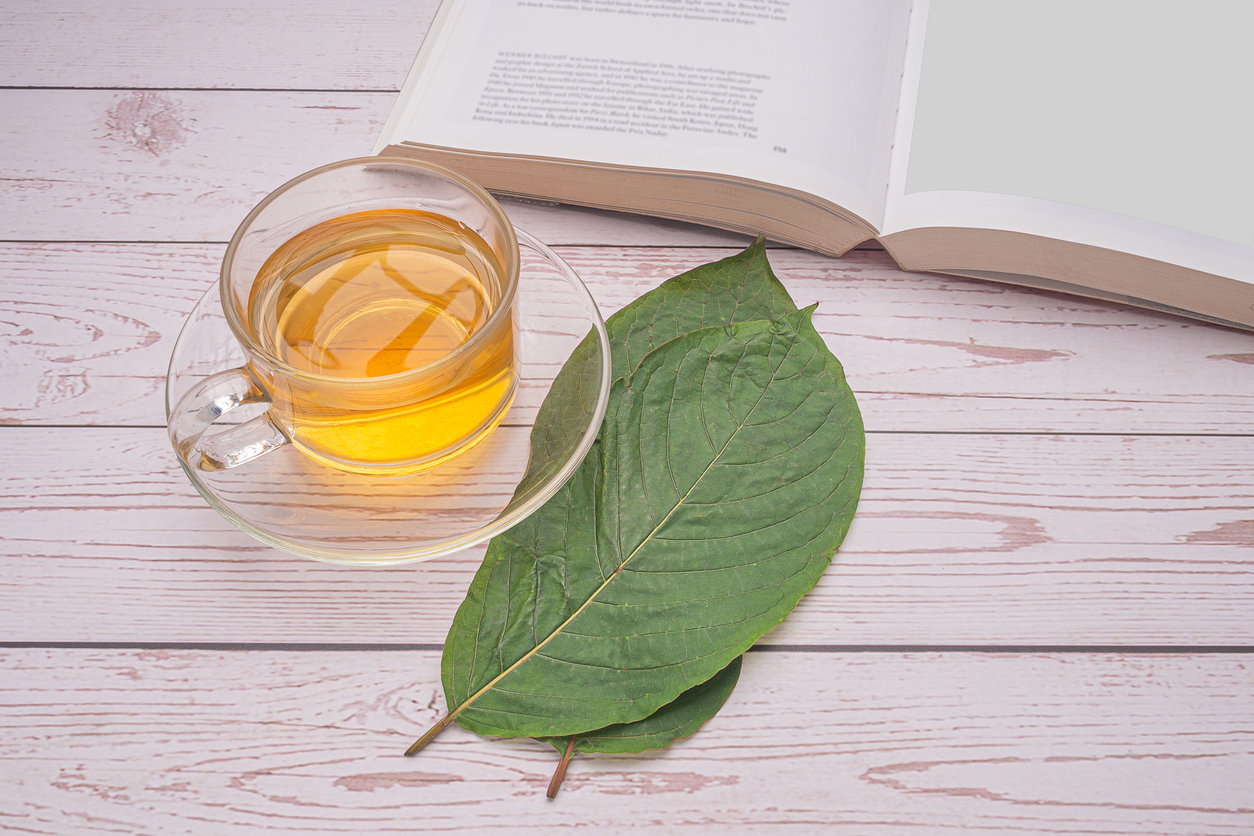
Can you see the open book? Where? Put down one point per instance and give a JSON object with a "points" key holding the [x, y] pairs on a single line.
{"points": [[1100, 147]]}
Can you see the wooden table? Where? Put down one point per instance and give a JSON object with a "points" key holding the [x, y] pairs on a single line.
{"points": [[1039, 623]]}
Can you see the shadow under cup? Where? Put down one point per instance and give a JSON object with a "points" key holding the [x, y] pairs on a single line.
{"points": [[374, 302]]}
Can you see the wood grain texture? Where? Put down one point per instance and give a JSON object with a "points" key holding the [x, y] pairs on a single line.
{"points": [[220, 44], [172, 166], [161, 742], [88, 330], [959, 539], [144, 165]]}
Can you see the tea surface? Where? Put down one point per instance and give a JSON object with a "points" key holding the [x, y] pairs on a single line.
{"points": [[371, 296]]}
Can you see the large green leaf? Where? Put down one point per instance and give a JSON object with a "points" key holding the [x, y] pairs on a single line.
{"points": [[673, 721], [726, 474], [740, 288]]}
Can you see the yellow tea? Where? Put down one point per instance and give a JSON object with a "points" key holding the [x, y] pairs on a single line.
{"points": [[372, 309]]}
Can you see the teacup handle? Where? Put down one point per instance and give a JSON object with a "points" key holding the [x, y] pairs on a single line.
{"points": [[207, 401]]}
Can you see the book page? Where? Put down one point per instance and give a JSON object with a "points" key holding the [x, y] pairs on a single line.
{"points": [[790, 92], [1101, 121]]}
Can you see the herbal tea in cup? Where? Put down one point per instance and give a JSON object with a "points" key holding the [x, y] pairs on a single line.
{"points": [[374, 301], [379, 295]]}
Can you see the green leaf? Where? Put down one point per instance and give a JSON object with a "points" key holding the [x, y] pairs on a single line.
{"points": [[564, 414], [726, 474], [673, 721], [740, 288]]}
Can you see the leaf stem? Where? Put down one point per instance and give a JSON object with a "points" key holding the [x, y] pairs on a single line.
{"points": [[560, 774], [430, 735]]}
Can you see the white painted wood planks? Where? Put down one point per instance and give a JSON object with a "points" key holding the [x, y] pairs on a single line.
{"points": [[224, 743], [216, 44], [92, 326], [959, 539]]}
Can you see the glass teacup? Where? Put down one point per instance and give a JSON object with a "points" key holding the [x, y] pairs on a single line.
{"points": [[374, 302]]}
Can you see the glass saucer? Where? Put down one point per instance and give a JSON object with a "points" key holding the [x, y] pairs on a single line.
{"points": [[291, 502]]}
